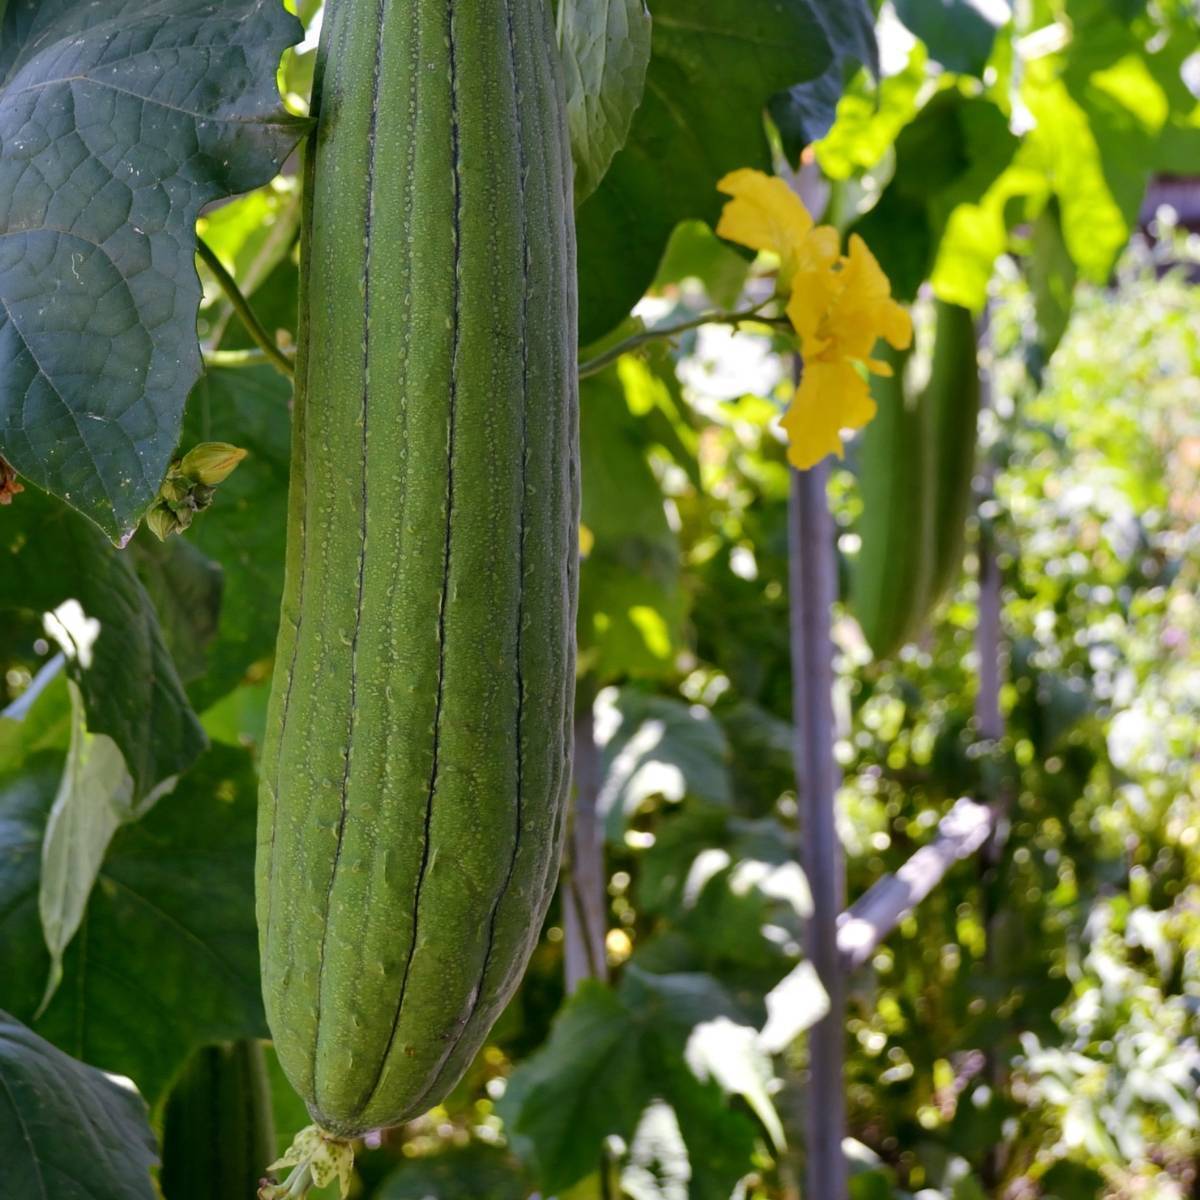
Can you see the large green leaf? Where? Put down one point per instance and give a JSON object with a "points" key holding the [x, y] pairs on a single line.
{"points": [[119, 120], [94, 799], [949, 155], [806, 111], [474, 1172], [246, 527], [631, 604], [615, 1058], [185, 587], [166, 958], [54, 561], [585, 1084], [712, 71], [69, 1132], [654, 747], [605, 48], [959, 33], [1109, 110], [731, 885]]}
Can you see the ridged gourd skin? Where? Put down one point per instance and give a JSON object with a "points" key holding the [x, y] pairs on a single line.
{"points": [[954, 394], [419, 736], [218, 1129], [889, 585], [915, 467]]}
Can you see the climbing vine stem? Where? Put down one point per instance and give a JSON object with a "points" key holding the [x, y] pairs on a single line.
{"points": [[271, 352], [659, 332]]}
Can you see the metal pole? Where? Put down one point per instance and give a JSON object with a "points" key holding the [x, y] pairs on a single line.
{"points": [[813, 579], [584, 896]]}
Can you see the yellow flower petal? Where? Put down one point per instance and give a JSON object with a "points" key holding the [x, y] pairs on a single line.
{"points": [[831, 397], [872, 296], [821, 248], [764, 214]]}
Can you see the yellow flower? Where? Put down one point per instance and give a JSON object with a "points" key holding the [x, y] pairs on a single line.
{"points": [[840, 306], [765, 214], [832, 396]]}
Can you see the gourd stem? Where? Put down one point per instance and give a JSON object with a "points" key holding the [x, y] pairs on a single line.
{"points": [[254, 327], [605, 359]]}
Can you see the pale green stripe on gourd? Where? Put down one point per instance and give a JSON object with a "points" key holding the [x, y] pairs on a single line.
{"points": [[953, 398], [418, 749], [889, 585]]}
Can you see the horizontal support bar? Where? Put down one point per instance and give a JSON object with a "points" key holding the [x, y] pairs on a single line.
{"points": [[962, 832]]}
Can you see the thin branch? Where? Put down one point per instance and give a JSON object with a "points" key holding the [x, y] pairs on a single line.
{"points": [[265, 342], [595, 365]]}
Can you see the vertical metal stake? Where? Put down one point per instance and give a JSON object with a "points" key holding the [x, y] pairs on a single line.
{"points": [[584, 898], [813, 578]]}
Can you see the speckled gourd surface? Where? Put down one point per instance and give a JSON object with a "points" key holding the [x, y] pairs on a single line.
{"points": [[418, 752]]}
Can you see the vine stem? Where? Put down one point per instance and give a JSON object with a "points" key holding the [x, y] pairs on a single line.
{"points": [[608, 357], [254, 327], [235, 358]]}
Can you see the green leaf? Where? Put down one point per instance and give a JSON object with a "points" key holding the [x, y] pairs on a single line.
{"points": [[949, 155], [695, 252], [631, 605], [796, 1003], [1107, 114], [70, 1132], [613, 1056], [1052, 276], [585, 1084], [867, 122], [700, 1049], [711, 73], [94, 799], [39, 719], [166, 958], [185, 587], [653, 747], [722, 1142], [959, 33], [605, 48], [52, 561], [246, 528], [471, 1173], [805, 112], [119, 121]]}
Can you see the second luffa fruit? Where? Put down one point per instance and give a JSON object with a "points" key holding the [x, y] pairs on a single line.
{"points": [[419, 745]]}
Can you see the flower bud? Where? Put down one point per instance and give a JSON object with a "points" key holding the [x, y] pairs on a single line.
{"points": [[211, 463], [163, 521]]}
